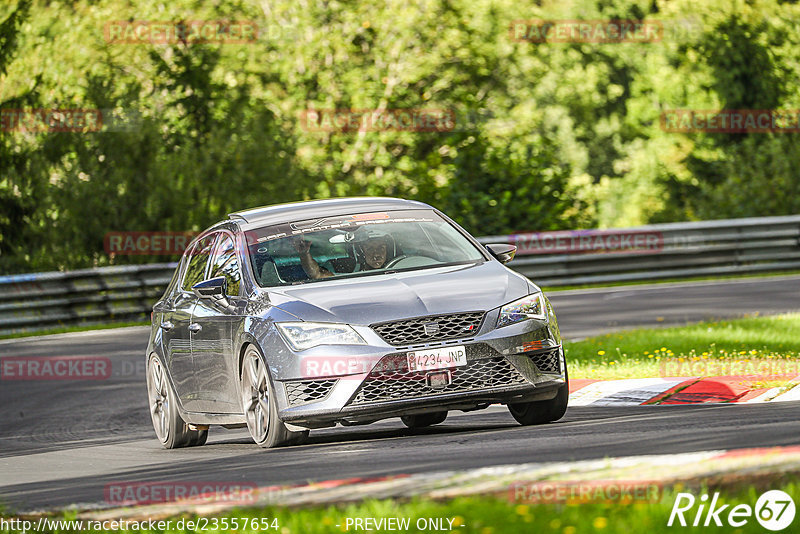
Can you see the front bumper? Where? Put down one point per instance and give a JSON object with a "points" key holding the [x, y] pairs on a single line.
{"points": [[519, 363]]}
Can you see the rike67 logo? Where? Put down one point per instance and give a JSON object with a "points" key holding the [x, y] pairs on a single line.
{"points": [[774, 510]]}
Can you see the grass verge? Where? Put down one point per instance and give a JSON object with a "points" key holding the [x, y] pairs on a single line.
{"points": [[479, 514], [765, 346]]}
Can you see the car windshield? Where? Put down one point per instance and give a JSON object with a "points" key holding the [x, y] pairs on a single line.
{"points": [[361, 244]]}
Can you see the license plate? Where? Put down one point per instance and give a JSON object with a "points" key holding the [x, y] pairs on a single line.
{"points": [[426, 360]]}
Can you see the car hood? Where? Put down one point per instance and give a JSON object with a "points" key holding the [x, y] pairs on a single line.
{"points": [[373, 299]]}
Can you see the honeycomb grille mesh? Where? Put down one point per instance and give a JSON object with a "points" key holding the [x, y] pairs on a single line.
{"points": [[304, 391], [547, 362], [410, 331], [478, 374]]}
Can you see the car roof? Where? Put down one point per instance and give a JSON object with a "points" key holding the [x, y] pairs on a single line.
{"points": [[298, 211]]}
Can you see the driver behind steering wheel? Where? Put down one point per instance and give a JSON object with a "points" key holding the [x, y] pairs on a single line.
{"points": [[373, 251], [374, 248]]}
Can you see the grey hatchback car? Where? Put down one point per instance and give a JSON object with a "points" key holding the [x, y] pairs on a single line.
{"points": [[346, 311]]}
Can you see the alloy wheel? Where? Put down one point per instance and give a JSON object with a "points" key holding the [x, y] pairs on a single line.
{"points": [[255, 396], [159, 400]]}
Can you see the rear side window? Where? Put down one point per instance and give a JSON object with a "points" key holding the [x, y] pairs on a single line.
{"points": [[225, 264], [198, 260]]}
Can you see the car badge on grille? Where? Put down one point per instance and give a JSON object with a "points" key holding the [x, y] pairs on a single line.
{"points": [[431, 328]]}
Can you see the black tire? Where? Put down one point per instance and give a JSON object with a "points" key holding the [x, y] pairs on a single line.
{"points": [[200, 439], [170, 428], [423, 419], [260, 406], [540, 412]]}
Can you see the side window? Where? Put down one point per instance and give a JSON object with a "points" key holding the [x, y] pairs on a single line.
{"points": [[225, 264], [198, 259]]}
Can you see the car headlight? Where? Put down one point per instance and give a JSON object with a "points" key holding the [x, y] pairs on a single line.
{"points": [[530, 307], [302, 336]]}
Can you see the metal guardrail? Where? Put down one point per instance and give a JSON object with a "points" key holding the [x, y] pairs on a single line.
{"points": [[706, 248], [39, 301]]}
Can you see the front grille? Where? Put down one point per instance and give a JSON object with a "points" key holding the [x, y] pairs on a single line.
{"points": [[478, 374], [547, 362], [301, 392], [430, 328]]}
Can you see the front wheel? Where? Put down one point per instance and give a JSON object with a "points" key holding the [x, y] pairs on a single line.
{"points": [[260, 406], [540, 412], [171, 430]]}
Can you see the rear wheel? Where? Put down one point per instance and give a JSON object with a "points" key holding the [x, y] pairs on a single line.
{"points": [[260, 407], [171, 430], [540, 412], [423, 419]]}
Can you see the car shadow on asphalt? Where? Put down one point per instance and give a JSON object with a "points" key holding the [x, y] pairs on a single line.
{"points": [[342, 435]]}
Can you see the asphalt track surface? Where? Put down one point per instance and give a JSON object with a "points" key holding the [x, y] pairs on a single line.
{"points": [[63, 442]]}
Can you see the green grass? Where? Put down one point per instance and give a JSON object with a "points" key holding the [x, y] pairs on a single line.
{"points": [[725, 277], [492, 515], [77, 328], [718, 347]]}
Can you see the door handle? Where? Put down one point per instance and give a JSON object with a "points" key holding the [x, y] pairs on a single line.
{"points": [[195, 328], [166, 325]]}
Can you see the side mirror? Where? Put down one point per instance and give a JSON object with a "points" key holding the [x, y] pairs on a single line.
{"points": [[213, 288], [502, 251]]}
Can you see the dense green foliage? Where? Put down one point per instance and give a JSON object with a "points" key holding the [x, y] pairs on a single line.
{"points": [[548, 135]]}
